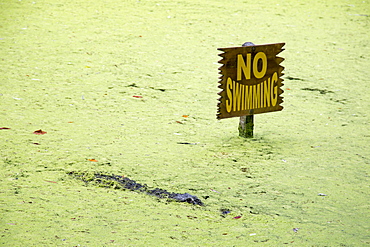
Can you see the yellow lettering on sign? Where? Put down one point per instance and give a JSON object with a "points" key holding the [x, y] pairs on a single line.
{"points": [[262, 56], [266, 91], [256, 96], [261, 95], [229, 87], [242, 87], [248, 97], [236, 96], [274, 89], [240, 97], [240, 66]]}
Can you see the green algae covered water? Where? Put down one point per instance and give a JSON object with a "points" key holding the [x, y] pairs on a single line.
{"points": [[130, 88]]}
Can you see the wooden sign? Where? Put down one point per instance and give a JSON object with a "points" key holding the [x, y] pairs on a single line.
{"points": [[250, 80]]}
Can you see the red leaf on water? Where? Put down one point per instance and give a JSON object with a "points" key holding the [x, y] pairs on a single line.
{"points": [[137, 96], [92, 160], [4, 128], [39, 132], [237, 217], [51, 181]]}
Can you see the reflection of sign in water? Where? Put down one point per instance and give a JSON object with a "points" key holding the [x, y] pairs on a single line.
{"points": [[250, 80]]}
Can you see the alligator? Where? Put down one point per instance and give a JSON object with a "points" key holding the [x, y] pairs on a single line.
{"points": [[121, 182]]}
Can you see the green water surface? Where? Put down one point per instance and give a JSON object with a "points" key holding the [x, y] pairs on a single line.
{"points": [[71, 69]]}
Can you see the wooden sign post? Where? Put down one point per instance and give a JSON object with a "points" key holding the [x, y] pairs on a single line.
{"points": [[251, 83]]}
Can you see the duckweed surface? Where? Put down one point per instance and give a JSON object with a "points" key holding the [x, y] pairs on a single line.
{"points": [[130, 88]]}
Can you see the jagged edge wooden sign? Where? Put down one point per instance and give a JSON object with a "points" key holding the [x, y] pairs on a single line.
{"points": [[250, 80]]}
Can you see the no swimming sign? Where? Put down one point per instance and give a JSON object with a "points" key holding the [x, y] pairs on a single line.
{"points": [[250, 80]]}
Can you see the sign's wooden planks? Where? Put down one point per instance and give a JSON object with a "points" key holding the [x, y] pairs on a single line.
{"points": [[250, 80]]}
